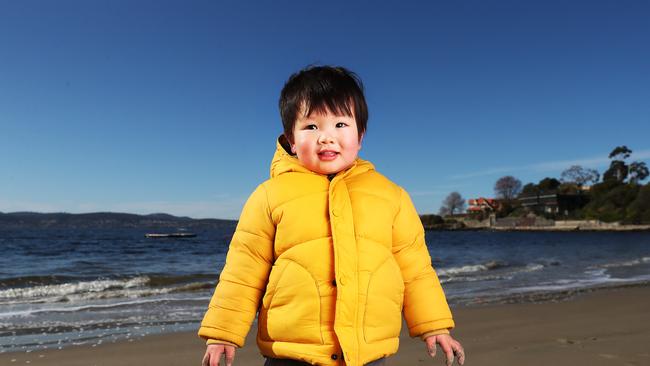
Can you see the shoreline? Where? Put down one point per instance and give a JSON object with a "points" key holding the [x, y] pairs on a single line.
{"points": [[599, 327], [463, 223], [622, 228]]}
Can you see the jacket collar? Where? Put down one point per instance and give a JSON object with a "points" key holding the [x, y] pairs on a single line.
{"points": [[284, 161]]}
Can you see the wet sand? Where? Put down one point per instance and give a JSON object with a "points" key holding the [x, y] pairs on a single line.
{"points": [[607, 327]]}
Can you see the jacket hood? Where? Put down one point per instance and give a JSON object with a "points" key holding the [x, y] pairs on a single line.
{"points": [[284, 161]]}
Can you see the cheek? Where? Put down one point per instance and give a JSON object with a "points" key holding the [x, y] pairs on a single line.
{"points": [[302, 148], [352, 143]]}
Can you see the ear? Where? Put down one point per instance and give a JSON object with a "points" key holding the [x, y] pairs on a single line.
{"points": [[286, 143]]}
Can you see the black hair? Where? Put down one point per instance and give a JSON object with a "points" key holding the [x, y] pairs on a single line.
{"points": [[323, 89]]}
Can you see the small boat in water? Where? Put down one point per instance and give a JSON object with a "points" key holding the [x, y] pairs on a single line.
{"points": [[170, 235]]}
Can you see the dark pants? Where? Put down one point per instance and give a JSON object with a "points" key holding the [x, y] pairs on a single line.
{"points": [[284, 362]]}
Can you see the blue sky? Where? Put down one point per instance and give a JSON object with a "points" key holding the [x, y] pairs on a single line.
{"points": [[171, 106]]}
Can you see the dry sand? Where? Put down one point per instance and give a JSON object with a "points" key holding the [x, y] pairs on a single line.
{"points": [[608, 327]]}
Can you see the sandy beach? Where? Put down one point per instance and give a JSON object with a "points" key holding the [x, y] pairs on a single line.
{"points": [[607, 327]]}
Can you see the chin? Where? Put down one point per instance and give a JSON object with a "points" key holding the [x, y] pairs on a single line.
{"points": [[327, 172]]}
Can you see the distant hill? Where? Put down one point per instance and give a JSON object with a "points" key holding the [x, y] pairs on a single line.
{"points": [[106, 220]]}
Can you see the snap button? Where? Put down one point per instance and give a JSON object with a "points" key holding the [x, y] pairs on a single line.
{"points": [[336, 212], [335, 356], [342, 280], [334, 283]]}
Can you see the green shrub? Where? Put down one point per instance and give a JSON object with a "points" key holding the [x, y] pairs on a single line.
{"points": [[638, 212]]}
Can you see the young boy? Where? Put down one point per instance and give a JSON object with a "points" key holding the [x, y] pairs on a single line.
{"points": [[329, 251]]}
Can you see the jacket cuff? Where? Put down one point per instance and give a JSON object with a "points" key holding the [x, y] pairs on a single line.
{"points": [[218, 341], [434, 332], [206, 333], [430, 326]]}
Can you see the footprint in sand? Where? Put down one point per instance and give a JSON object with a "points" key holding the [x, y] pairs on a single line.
{"points": [[567, 341]]}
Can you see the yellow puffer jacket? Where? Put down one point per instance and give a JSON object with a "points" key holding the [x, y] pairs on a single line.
{"points": [[334, 263]]}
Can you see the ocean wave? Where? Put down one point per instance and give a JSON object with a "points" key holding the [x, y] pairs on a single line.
{"points": [[532, 267], [472, 268], [628, 263], [112, 327], [563, 285], [154, 279], [596, 278], [102, 289], [474, 278], [472, 273], [25, 281], [64, 289], [168, 280], [94, 307]]}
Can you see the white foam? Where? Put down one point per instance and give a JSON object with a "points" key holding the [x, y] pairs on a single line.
{"points": [[65, 289], [463, 269], [474, 278], [562, 285], [622, 264], [532, 267], [81, 297], [629, 263], [468, 269]]}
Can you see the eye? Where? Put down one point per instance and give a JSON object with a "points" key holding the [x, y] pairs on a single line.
{"points": [[341, 124], [309, 127]]}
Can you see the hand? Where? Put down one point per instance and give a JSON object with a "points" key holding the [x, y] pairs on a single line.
{"points": [[450, 346], [213, 354]]}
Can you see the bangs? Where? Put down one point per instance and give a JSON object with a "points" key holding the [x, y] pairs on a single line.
{"points": [[338, 105]]}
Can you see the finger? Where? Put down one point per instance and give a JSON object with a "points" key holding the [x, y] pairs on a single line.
{"points": [[449, 360], [230, 355], [449, 353], [215, 358], [459, 352], [431, 346]]}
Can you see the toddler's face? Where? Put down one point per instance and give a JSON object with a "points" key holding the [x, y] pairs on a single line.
{"points": [[325, 143]]}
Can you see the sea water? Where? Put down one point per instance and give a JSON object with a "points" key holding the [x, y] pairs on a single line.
{"points": [[64, 287]]}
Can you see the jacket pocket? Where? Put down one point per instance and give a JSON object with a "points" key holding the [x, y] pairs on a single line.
{"points": [[383, 309], [291, 306]]}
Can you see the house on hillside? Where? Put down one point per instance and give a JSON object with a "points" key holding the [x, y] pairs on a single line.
{"points": [[554, 203], [482, 204]]}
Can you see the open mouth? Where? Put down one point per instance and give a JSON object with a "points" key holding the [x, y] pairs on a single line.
{"points": [[327, 155]]}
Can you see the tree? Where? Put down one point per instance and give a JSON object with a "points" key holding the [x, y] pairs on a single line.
{"points": [[530, 189], [507, 187], [617, 171], [548, 185], [454, 203], [579, 175], [620, 153], [429, 221], [569, 188], [638, 172], [610, 200], [638, 212]]}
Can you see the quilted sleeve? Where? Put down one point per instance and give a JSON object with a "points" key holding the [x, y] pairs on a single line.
{"points": [[425, 305], [243, 279]]}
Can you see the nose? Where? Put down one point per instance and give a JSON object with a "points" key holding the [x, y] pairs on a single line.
{"points": [[325, 138]]}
